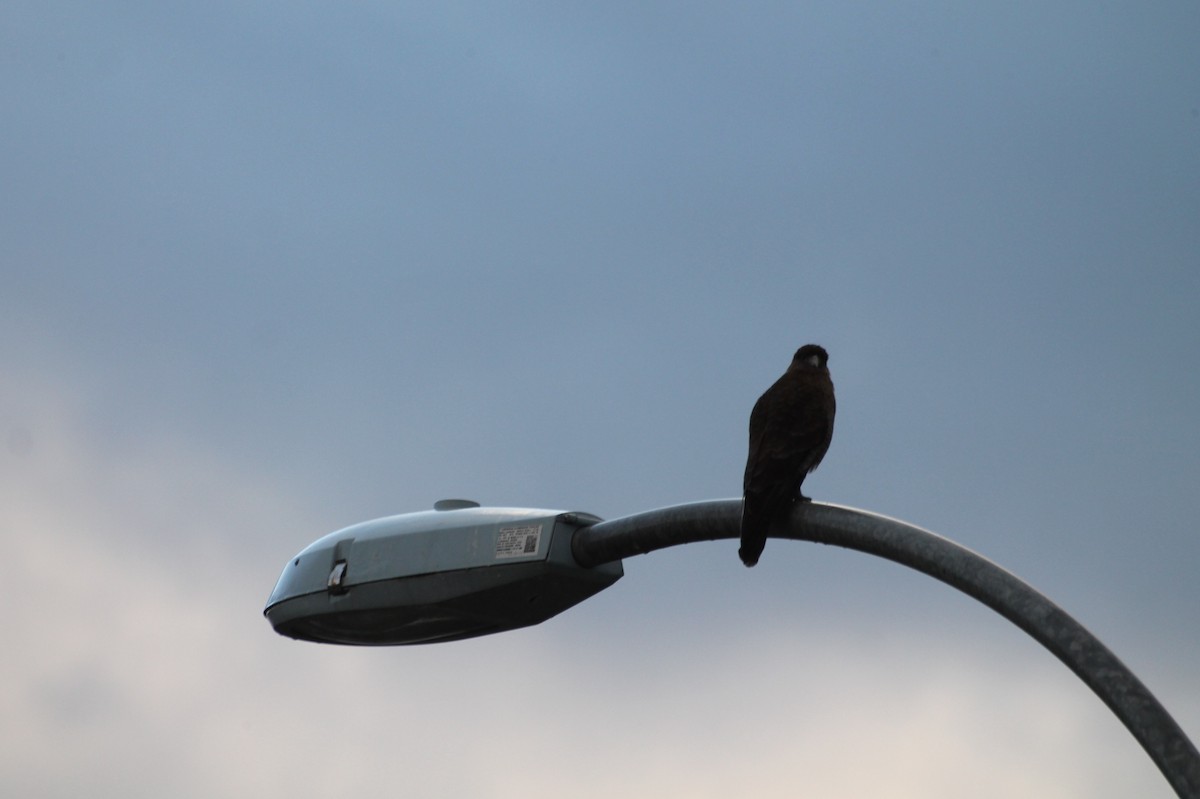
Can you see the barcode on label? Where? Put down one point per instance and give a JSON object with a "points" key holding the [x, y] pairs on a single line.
{"points": [[514, 542]]}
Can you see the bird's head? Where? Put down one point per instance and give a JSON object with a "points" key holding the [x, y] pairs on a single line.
{"points": [[810, 356]]}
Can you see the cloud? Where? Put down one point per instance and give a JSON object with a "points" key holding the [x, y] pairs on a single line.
{"points": [[141, 667]]}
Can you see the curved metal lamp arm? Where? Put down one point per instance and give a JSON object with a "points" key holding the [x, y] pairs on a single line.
{"points": [[1175, 756]]}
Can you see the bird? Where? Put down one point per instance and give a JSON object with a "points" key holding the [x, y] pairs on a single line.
{"points": [[791, 427]]}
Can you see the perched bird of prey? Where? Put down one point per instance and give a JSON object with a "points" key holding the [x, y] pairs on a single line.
{"points": [[790, 430]]}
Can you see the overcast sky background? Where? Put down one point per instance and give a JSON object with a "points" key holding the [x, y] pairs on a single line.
{"points": [[271, 269]]}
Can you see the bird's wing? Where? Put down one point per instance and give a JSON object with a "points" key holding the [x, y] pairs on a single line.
{"points": [[790, 432]]}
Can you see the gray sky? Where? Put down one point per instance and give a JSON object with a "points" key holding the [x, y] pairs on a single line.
{"points": [[268, 270]]}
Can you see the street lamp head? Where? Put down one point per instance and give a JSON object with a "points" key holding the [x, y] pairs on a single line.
{"points": [[455, 572]]}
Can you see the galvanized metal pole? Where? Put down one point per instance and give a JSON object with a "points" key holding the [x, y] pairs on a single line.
{"points": [[1175, 756]]}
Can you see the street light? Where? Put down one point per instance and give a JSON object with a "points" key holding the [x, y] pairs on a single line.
{"points": [[461, 571], [455, 572]]}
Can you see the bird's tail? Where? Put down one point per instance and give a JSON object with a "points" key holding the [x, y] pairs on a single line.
{"points": [[754, 529], [758, 513], [750, 555]]}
